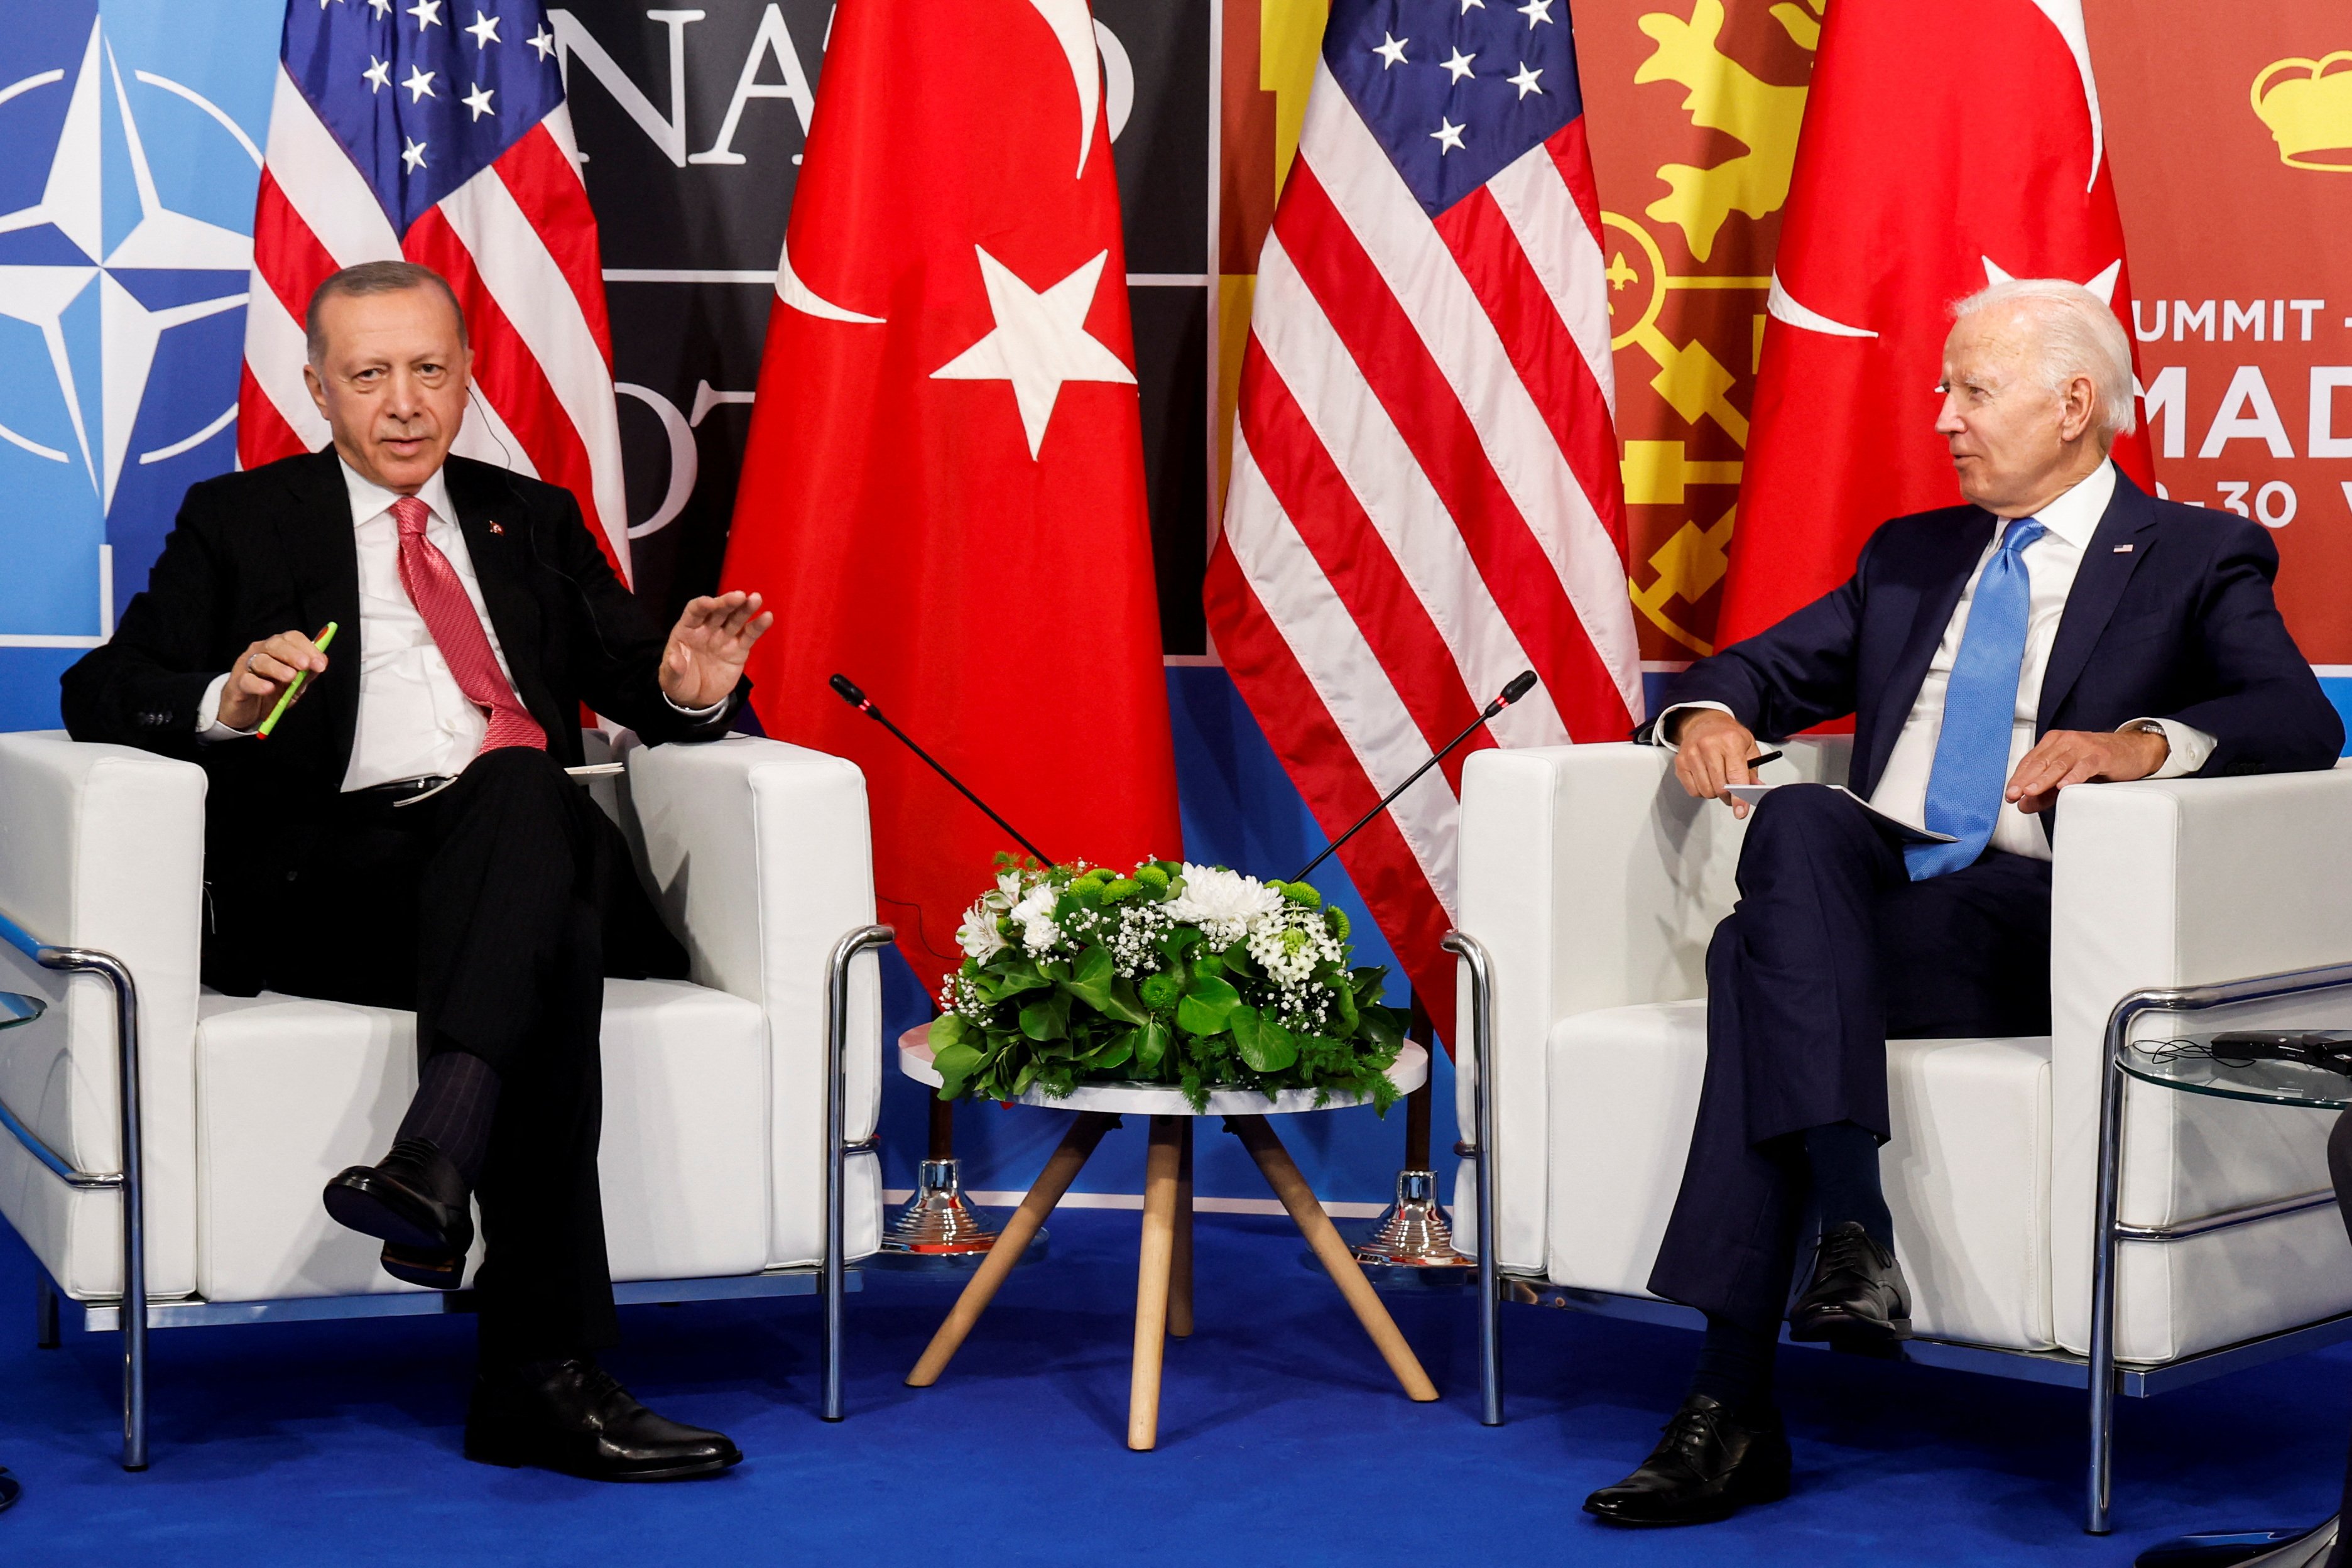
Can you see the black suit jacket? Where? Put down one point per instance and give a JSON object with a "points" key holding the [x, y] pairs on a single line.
{"points": [[2170, 617], [257, 553]]}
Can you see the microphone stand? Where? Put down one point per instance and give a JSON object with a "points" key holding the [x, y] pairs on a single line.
{"points": [[939, 1230], [848, 692], [1411, 1245], [1521, 684]]}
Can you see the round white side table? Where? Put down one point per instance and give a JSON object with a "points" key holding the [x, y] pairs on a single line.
{"points": [[1163, 1285]]}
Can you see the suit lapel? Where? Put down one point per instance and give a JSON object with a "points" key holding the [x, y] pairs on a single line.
{"points": [[316, 540], [1931, 612], [497, 535], [2099, 584]]}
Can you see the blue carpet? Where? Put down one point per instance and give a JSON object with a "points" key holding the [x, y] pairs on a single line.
{"points": [[1283, 1440]]}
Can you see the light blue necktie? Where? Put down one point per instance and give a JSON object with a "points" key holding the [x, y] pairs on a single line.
{"points": [[1971, 768]]}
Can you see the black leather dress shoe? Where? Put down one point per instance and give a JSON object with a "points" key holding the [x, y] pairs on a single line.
{"points": [[1707, 1466], [414, 1197], [572, 1417], [1856, 1295]]}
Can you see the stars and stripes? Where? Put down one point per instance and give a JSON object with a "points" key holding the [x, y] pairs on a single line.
{"points": [[438, 131], [1424, 497]]}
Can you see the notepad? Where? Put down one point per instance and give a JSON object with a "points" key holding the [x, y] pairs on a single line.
{"points": [[1903, 831]]}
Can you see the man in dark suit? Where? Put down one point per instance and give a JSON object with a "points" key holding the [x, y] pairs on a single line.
{"points": [[2062, 628], [406, 835]]}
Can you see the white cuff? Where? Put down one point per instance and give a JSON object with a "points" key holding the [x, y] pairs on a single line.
{"points": [[2189, 748], [1659, 732], [208, 724], [695, 713]]}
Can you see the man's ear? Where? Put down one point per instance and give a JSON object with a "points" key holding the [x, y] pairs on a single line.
{"points": [[318, 388], [2076, 406]]}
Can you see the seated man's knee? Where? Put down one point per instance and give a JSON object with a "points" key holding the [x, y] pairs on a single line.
{"points": [[1802, 809]]}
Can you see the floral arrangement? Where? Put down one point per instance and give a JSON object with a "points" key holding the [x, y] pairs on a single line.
{"points": [[1169, 973]]}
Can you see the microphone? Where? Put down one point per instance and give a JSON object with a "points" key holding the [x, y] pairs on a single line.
{"points": [[1520, 685], [848, 692]]}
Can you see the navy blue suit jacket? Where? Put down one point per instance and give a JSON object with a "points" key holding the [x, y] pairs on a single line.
{"points": [[2180, 626]]}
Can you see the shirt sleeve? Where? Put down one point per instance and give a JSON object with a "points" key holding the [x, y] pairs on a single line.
{"points": [[208, 724], [1667, 723], [2191, 748]]}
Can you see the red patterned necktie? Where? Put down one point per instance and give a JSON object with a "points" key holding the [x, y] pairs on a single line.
{"points": [[433, 585]]}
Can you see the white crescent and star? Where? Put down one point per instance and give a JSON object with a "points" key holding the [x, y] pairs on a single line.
{"points": [[1040, 341]]}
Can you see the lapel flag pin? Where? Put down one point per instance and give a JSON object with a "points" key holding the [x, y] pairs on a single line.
{"points": [[2120, 548], [501, 528]]}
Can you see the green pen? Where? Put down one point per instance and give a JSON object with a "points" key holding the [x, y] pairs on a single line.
{"points": [[301, 678]]}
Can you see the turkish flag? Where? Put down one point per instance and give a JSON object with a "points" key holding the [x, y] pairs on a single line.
{"points": [[944, 494], [1946, 145]]}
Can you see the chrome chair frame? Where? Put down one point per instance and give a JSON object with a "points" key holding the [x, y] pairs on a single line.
{"points": [[134, 1313], [2099, 1373]]}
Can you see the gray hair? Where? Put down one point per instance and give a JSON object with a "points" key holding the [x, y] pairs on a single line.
{"points": [[373, 278], [2078, 335]]}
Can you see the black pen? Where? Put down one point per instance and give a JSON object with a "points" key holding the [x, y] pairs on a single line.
{"points": [[1755, 762]]}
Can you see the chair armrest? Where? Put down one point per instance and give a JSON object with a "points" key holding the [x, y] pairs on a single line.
{"points": [[1594, 880], [761, 856], [2183, 882], [102, 847]]}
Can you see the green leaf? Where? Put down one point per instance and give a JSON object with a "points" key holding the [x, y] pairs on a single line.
{"points": [[947, 1029], [1208, 963], [1093, 981], [1116, 1054], [956, 1064], [1151, 1045], [1343, 1002], [1208, 1003], [1384, 1028], [1020, 976], [1264, 1044], [1048, 1019]]}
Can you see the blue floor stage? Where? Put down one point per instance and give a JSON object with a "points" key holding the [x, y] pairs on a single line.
{"points": [[1283, 1441]]}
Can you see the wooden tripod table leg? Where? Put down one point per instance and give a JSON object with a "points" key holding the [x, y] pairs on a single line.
{"points": [[1180, 1279], [1151, 1273], [1274, 1163], [1077, 1146]]}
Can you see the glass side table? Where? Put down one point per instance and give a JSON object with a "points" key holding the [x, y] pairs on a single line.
{"points": [[16, 1008], [2189, 1064]]}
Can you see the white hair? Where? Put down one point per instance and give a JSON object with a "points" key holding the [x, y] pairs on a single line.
{"points": [[2076, 334]]}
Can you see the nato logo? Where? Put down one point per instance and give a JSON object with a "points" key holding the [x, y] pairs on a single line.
{"points": [[134, 132]]}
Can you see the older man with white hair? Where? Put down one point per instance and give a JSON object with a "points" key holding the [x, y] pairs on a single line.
{"points": [[2062, 628]]}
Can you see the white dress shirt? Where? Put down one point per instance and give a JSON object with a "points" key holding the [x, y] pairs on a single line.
{"points": [[414, 720], [2051, 562]]}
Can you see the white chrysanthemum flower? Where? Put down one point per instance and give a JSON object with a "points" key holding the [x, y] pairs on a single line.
{"points": [[1223, 904], [1034, 915]]}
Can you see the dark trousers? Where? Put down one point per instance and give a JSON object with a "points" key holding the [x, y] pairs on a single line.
{"points": [[1831, 952], [493, 910]]}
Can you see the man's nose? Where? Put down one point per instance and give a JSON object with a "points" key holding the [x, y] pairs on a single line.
{"points": [[402, 395], [1947, 418]]}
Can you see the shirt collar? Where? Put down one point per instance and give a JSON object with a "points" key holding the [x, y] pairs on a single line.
{"points": [[2072, 517], [371, 501]]}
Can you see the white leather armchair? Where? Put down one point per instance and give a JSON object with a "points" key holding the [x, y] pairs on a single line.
{"points": [[1590, 883], [722, 1174]]}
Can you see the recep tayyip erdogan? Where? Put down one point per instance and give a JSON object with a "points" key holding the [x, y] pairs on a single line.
{"points": [[2061, 629], [406, 835]]}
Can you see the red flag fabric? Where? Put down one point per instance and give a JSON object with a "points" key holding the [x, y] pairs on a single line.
{"points": [[1946, 145], [944, 497]]}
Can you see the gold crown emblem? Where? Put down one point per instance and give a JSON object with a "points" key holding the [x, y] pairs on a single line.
{"points": [[2308, 107]]}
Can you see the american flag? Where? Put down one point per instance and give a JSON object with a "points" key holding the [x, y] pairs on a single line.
{"points": [[1424, 497], [403, 129]]}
